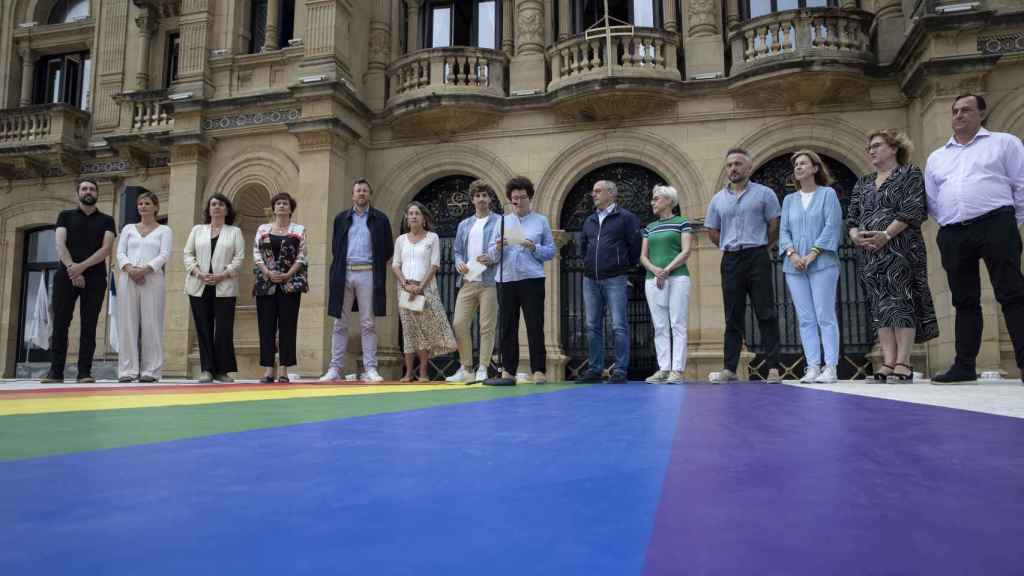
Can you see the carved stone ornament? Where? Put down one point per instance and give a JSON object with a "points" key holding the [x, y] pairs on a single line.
{"points": [[380, 45], [530, 27], [703, 18]]}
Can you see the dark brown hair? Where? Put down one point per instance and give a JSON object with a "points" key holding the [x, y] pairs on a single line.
{"points": [[362, 181], [284, 196], [478, 187], [982, 105], [519, 183], [229, 218], [78, 184]]}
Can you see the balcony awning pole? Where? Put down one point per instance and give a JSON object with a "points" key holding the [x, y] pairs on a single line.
{"points": [[607, 39]]}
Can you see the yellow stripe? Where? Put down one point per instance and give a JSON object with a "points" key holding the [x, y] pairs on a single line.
{"points": [[87, 403]]}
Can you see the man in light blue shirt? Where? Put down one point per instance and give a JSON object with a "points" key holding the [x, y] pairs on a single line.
{"points": [[521, 279], [743, 220]]}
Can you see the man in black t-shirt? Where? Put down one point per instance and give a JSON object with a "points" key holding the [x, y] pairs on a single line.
{"points": [[84, 238]]}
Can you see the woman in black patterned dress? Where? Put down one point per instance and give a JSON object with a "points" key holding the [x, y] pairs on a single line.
{"points": [[885, 215]]}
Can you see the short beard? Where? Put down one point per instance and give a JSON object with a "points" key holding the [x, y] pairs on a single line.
{"points": [[87, 200]]}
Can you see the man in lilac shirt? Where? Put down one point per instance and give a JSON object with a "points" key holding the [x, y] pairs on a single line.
{"points": [[975, 186]]}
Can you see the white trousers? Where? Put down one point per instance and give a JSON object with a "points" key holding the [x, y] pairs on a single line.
{"points": [[140, 325], [669, 311]]}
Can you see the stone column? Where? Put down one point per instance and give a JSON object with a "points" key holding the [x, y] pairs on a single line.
{"points": [[189, 164], [549, 23], [669, 10], [891, 23], [703, 44], [732, 19], [528, 64], [412, 27], [553, 310], [26, 75], [146, 22], [273, 16], [564, 19], [109, 64], [193, 68], [379, 56], [507, 41], [326, 39]]}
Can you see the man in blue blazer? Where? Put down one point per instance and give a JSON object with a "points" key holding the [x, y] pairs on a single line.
{"points": [[611, 247]]}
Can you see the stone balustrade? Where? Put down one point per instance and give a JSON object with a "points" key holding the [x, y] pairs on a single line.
{"points": [[647, 53], [44, 124], [148, 111], [803, 35], [456, 70]]}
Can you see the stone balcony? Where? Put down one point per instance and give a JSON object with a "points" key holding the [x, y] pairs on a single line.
{"points": [[34, 139], [146, 112], [802, 38], [647, 54], [474, 80]]}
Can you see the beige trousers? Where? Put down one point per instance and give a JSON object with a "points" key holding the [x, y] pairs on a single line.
{"points": [[471, 296]]}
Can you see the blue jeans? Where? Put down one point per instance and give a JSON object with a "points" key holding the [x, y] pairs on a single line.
{"points": [[598, 294]]}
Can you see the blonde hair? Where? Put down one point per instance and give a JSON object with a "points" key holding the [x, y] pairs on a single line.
{"points": [[667, 192], [822, 177], [896, 140]]}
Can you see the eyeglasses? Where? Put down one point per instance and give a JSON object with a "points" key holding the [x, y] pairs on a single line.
{"points": [[874, 146]]}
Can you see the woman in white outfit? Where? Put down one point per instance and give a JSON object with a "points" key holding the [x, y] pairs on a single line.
{"points": [[142, 251], [665, 249]]}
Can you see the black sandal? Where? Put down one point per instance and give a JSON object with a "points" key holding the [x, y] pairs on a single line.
{"points": [[903, 377], [881, 377]]}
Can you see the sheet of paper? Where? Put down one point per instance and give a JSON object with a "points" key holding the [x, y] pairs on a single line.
{"points": [[475, 270], [513, 232], [405, 300]]}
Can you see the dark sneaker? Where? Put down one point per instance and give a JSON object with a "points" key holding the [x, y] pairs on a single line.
{"points": [[86, 380], [956, 375], [52, 379], [148, 379], [590, 378], [618, 378]]}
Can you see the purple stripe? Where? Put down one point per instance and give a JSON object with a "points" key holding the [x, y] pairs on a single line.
{"points": [[781, 480]]}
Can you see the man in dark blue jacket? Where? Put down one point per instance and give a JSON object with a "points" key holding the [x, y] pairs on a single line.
{"points": [[611, 247]]}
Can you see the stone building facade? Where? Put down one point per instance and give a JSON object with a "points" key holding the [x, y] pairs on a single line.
{"points": [[253, 97]]}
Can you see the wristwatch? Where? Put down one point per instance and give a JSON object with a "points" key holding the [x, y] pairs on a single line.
{"points": [[790, 252]]}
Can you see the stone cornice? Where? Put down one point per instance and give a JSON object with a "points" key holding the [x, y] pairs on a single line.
{"points": [[971, 64]]}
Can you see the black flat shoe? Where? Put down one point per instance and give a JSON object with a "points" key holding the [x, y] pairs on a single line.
{"points": [[902, 377], [590, 378], [125, 379], [267, 380], [883, 376], [955, 375], [148, 379], [283, 379]]}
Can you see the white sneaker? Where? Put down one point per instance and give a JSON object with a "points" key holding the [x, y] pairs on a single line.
{"points": [[371, 375], [331, 375], [481, 373], [658, 377], [459, 376], [674, 377], [827, 376], [811, 374], [523, 378]]}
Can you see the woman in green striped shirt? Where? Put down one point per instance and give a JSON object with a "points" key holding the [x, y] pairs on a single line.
{"points": [[666, 247]]}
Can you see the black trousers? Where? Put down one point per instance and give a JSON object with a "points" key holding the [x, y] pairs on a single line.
{"points": [[746, 273], [278, 316], [993, 238], [215, 329], [64, 296], [527, 295]]}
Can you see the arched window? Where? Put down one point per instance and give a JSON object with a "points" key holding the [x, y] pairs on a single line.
{"points": [[755, 8], [68, 11], [461, 23], [640, 13]]}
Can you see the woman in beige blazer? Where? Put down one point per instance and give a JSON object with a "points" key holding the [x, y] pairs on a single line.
{"points": [[214, 253]]}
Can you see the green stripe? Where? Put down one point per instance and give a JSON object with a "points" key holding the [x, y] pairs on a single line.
{"points": [[35, 435]]}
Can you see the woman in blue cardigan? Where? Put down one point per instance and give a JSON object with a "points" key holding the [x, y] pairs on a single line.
{"points": [[809, 240]]}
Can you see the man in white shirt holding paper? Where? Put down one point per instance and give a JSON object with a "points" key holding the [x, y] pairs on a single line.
{"points": [[476, 280]]}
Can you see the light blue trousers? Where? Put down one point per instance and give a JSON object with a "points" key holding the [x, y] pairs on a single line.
{"points": [[814, 297]]}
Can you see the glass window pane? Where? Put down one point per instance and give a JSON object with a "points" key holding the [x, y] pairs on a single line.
{"points": [[86, 82], [41, 246], [788, 5], [816, 3], [760, 8], [485, 26], [643, 13], [441, 19]]}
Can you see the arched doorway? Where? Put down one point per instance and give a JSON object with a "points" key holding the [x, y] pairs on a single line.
{"points": [[448, 201], [856, 337], [635, 184]]}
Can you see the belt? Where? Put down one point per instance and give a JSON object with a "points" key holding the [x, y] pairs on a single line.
{"points": [[360, 267], [747, 249], [985, 216]]}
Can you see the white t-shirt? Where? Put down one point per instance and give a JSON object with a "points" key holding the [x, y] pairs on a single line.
{"points": [[415, 259], [475, 244], [806, 197]]}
